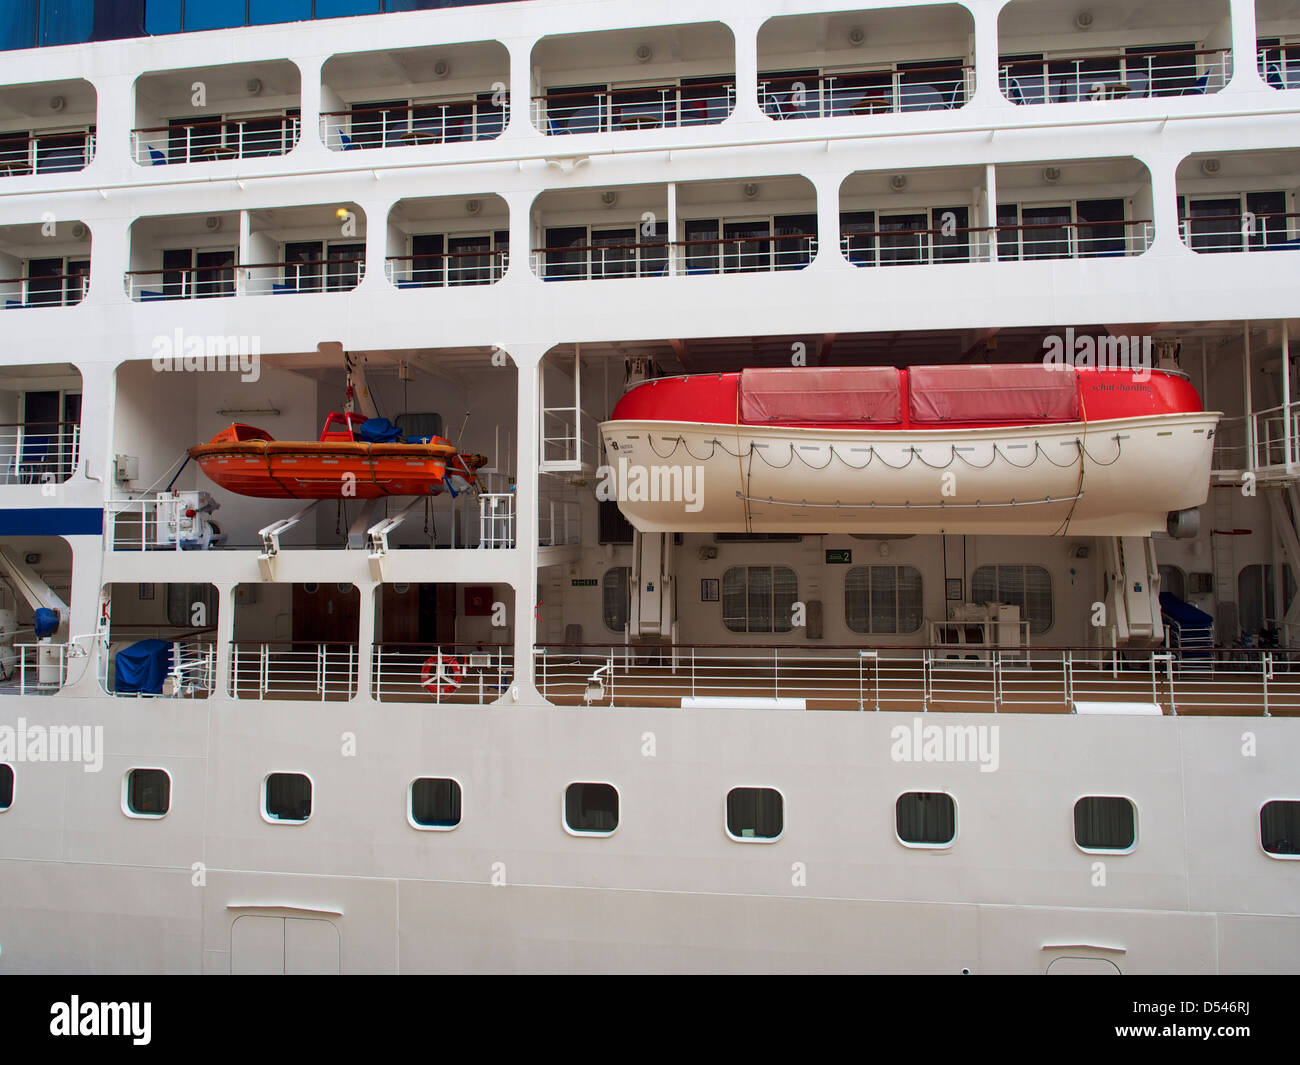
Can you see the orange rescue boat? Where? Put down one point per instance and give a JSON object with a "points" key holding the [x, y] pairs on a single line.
{"points": [[248, 461]]}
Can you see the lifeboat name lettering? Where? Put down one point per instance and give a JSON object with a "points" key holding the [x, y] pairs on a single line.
{"points": [[1099, 353], [635, 483], [208, 353]]}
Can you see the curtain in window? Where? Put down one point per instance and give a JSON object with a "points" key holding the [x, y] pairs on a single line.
{"points": [[926, 817], [755, 812], [1279, 827], [1104, 822], [288, 796], [1028, 587], [149, 791], [435, 802], [591, 807]]}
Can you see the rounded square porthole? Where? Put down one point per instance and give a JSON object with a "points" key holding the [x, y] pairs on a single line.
{"points": [[286, 798], [1105, 824], [590, 809], [926, 819], [6, 786], [755, 815], [1279, 827], [435, 804], [146, 793]]}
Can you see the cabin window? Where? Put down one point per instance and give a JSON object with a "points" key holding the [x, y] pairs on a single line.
{"points": [[883, 599], [1105, 823], [755, 814], [286, 797], [148, 792], [591, 809], [759, 598], [435, 803], [1028, 587], [1279, 826], [926, 819], [182, 601], [615, 597], [6, 786]]}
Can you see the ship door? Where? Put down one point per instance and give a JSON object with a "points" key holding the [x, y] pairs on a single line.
{"points": [[326, 613], [283, 946], [438, 613]]}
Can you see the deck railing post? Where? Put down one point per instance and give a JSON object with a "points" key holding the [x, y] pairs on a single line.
{"points": [[1266, 669]]}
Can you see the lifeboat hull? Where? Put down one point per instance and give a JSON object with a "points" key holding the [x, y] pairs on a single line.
{"points": [[1115, 476], [269, 469]]}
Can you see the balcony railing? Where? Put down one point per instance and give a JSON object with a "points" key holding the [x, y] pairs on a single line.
{"points": [[41, 669], [50, 290], [1134, 76], [1201, 682], [1279, 66], [1052, 240], [45, 153], [446, 269], [1258, 443], [428, 122], [44, 453], [293, 670], [249, 279], [235, 137], [441, 673], [1237, 232], [726, 255], [191, 673], [880, 92], [634, 108]]}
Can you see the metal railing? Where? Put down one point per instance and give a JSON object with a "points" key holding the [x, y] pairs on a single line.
{"points": [[293, 670], [560, 523], [496, 520], [1241, 232], [191, 674], [46, 153], [942, 87], [446, 269], [248, 279], [441, 673], [438, 121], [1211, 682], [1257, 443], [1279, 65], [41, 669], [634, 108], [38, 453], [1128, 76], [723, 255], [52, 290], [239, 136], [966, 244]]}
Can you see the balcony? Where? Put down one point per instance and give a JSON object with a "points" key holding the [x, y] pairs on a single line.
{"points": [[286, 250], [40, 424], [1158, 48], [210, 114], [415, 96], [1075, 210], [712, 233], [1238, 201], [1277, 23], [860, 63], [44, 264], [630, 80], [447, 241], [47, 128]]}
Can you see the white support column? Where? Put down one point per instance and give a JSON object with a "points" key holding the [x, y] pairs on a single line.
{"points": [[991, 216], [224, 638], [1245, 47], [672, 229], [368, 594], [746, 35], [1164, 207], [521, 90], [988, 92], [826, 187], [1287, 427], [521, 567]]}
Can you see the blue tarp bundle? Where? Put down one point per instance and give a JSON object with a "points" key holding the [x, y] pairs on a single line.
{"points": [[1187, 616], [143, 666], [46, 622], [378, 431]]}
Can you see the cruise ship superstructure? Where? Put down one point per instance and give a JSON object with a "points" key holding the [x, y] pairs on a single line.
{"points": [[899, 657]]}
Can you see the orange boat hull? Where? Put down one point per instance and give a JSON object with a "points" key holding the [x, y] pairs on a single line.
{"points": [[270, 469]]}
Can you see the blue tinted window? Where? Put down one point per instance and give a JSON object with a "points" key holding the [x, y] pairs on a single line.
{"points": [[336, 8], [213, 14], [18, 24], [261, 12], [66, 21], [162, 16]]}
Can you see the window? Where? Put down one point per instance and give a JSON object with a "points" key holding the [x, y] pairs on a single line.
{"points": [[147, 793], [759, 598], [435, 803], [755, 814], [6, 786], [881, 599], [614, 528], [1028, 587], [616, 597], [926, 819], [1279, 825], [591, 809], [1257, 600], [182, 599], [1105, 823], [286, 797]]}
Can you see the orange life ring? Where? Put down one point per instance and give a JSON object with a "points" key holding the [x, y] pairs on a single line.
{"points": [[442, 674]]}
